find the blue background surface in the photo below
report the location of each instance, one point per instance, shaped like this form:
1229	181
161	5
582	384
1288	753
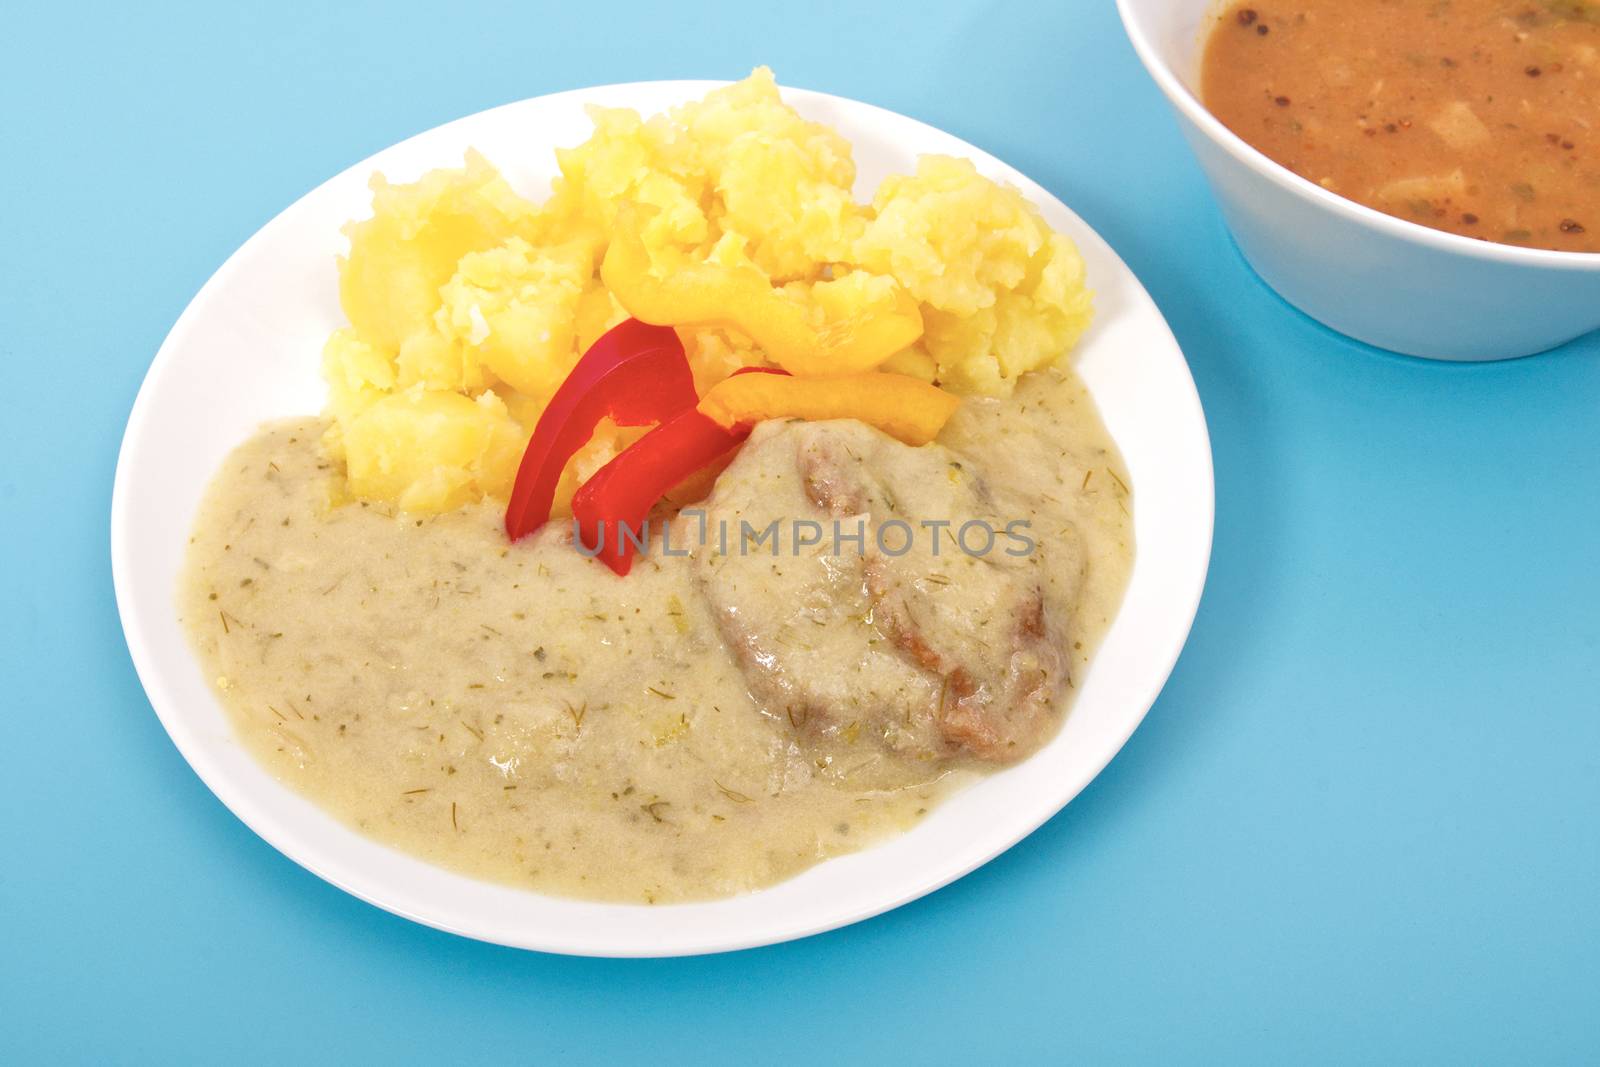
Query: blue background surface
1359	825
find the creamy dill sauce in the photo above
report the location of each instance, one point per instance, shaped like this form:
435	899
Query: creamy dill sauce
520	714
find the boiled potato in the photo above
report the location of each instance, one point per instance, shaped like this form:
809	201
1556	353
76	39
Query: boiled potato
429	450
1001	294
515	309
389	283
468	304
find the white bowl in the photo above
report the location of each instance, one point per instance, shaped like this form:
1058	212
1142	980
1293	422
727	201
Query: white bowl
246	349
1380	279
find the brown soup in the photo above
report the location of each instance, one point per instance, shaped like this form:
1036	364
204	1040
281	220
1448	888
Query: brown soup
1480	117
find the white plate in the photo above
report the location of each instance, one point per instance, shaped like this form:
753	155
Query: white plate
247	350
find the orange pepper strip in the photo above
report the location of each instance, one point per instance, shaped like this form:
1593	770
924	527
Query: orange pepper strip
711	294
901	406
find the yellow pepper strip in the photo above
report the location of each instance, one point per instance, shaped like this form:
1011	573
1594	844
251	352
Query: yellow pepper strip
902	407
742	298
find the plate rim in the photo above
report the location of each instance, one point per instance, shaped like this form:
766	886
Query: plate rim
264	826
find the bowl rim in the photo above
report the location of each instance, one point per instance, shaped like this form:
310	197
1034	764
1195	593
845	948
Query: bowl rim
264	816
1190	106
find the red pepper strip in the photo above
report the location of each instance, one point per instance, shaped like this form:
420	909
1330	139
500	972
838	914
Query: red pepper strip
611	507
635	373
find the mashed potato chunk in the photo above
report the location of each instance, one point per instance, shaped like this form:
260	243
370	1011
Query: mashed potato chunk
469	304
